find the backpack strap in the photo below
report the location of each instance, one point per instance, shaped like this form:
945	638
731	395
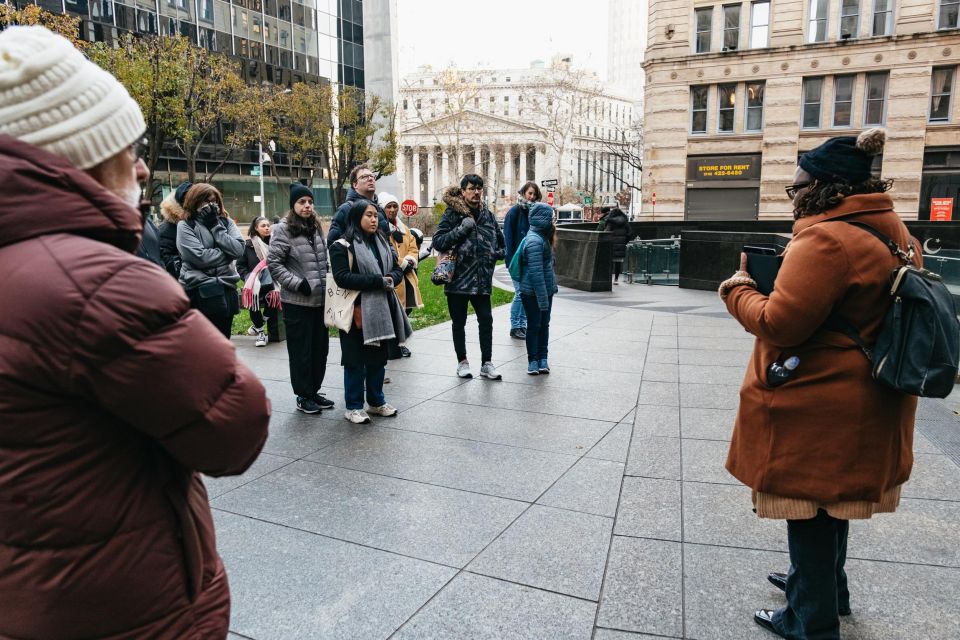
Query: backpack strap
904	256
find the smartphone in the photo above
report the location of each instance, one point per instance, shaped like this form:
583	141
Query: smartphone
764	251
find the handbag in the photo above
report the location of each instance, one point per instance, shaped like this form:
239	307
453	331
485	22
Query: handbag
338	305
445	269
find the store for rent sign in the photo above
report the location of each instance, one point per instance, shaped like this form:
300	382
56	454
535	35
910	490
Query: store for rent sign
941	209
713	168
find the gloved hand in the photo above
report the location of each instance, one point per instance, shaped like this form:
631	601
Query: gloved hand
208	214
467	225
387	283
397	236
407	264
304	287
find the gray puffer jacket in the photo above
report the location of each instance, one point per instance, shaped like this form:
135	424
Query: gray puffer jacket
208	255
293	259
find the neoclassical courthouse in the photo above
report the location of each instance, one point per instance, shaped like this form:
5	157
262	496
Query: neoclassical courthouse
512	125
736	91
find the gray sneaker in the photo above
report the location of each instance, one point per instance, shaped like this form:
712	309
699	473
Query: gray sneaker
463	370
489	371
357	416
384	410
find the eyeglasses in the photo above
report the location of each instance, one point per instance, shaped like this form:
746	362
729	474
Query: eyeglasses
366	176
794	188
139	149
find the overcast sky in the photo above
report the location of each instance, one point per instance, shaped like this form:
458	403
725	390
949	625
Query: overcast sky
501	33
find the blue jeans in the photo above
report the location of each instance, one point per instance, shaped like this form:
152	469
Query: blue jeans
518	315
538	326
354	380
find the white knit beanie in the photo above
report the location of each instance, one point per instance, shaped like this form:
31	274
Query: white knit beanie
54	98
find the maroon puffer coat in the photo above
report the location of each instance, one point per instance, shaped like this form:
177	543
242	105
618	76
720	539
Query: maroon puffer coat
113	395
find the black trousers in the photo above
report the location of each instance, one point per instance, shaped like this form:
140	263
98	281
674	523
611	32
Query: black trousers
220	308
817	583
307	346
457	306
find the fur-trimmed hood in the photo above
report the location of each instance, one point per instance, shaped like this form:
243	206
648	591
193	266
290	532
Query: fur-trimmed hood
453	197
171	210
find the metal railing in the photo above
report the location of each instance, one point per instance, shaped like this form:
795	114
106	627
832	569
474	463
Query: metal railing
653	261
948	267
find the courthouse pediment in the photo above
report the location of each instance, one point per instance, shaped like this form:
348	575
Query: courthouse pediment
470	121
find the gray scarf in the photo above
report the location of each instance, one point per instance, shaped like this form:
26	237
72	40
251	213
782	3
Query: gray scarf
383	318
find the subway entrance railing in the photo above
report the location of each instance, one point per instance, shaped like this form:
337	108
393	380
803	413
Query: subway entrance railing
653	261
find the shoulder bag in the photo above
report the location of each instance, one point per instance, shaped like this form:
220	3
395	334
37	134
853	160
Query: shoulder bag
338	305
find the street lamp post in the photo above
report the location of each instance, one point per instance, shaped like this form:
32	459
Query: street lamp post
260	160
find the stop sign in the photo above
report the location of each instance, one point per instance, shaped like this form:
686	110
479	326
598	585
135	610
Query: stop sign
550	198
653	200
409	208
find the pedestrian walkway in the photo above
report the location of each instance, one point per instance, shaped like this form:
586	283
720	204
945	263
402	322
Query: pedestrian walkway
589	503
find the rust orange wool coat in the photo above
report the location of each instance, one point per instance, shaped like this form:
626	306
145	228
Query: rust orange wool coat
831	433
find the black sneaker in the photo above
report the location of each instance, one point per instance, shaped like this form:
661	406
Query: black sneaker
519	334
405	352
322	401
307	405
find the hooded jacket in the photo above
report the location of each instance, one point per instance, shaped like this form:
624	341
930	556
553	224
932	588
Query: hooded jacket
831	433
618	225
113	395
477	249
172	214
339	223
539	278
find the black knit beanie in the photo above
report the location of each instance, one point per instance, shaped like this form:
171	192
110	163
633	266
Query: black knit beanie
844	158
297	191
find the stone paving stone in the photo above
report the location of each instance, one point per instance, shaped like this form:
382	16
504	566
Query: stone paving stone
492	469
614	445
710	358
933	476
284	401
605	344
661	372
654	458
482	608
920	532
703	461
594	361
723	515
417	385
296	435
553	549
923	445
610	634
649	508
664	342
558	434
662	355
585	381
442	346
269	368
710	396
289	584
664	393
713	344
642	589
710	374
590	486
657	420
718	331
427	363
610	405
432	523
707	424
264	464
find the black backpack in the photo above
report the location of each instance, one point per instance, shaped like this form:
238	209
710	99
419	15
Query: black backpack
918	347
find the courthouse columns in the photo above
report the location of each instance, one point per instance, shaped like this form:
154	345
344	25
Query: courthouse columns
431	174
444	168
523	166
416	174
477	157
459	151
539	169
508	169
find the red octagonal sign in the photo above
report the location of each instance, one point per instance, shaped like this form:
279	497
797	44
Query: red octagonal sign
409	208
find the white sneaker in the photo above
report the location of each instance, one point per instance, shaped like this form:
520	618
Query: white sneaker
252	331
384	410
463	370
261	339
489	371
357	416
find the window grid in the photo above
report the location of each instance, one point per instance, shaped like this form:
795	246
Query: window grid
949	14
849	18
876	97
755	106
726	107
759	25
698	108
843	101
704	19
812	102
731	27
882	17
817	21
941	90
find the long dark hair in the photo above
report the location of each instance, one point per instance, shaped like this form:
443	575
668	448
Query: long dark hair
297	226
354	214
252	229
823	196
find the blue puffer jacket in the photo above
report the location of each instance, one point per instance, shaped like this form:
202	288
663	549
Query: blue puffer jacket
539	278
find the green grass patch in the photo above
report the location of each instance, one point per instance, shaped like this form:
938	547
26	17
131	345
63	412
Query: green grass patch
434	309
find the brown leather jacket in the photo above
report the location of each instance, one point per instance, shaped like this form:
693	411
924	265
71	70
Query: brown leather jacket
113	395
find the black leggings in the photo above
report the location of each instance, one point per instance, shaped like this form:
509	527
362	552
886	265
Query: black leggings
457	306
617	269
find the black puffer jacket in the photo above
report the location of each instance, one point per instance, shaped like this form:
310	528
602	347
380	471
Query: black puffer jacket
478	249
618	225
